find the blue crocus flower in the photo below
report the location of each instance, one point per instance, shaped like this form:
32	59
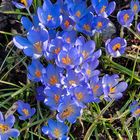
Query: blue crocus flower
72	79
25	110
135	109
96	87
28	24
55	130
82	95
69	58
51	75
35	43
138	27
53	96
112	88
84	25
49	14
35	71
99	23
125	17
103	8
135	6
22	4
68	110
116	47
6	129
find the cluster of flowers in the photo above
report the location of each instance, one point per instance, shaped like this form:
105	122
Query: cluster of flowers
71	79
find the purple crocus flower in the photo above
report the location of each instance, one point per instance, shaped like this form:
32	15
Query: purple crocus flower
135	6
6	129
25	110
135	109
125	17
55	130
22	4
116	47
112	88
68	110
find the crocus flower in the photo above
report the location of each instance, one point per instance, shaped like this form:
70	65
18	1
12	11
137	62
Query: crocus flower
55	130
103	8
82	95
53	97
69	58
84	25
22	4
51	75
99	23
138	27
35	71
34	44
49	14
125	17
135	6
116	47
6	129
112	88
135	109
40	96
68	110
25	110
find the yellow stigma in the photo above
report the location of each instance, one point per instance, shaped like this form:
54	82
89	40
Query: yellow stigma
57	133
86	27
135	7
79	96
99	24
116	46
85	54
95	88
88	72
72	82
126	17
24	2
67	23
53	80
3	128
78	13
56	98
103	9
137	112
38	73
68	39
38	47
67	112
66	60
25	111
49	18
57	50
112	90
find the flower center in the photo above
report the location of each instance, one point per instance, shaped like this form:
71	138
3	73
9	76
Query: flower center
56	98
135	7
38	73
68	39
66	60
86	27
99	24
126	17
67	112
112	90
85	54
116	46
38	47
24	2
53	80
88	71
67	23
78	13
103	9
57	50
49	17
57	133
72	82
137	112
25	111
3	128
95	88
79	96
